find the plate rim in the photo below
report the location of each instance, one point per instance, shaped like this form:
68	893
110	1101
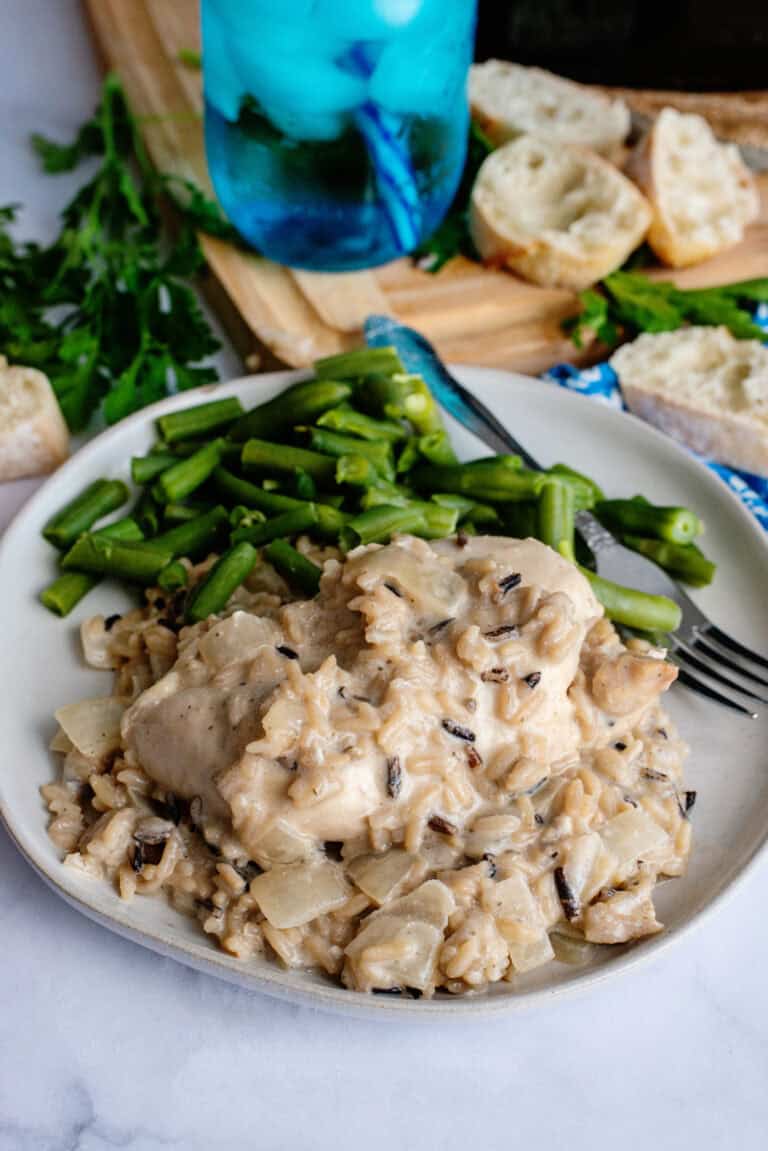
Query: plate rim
285	985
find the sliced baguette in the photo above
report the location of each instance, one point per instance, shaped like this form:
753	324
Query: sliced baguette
558	215
509	100
703	387
701	192
33	435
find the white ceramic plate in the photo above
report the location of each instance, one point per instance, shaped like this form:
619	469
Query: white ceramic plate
40	669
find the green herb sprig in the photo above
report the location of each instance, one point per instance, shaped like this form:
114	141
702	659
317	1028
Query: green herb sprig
106	311
629	303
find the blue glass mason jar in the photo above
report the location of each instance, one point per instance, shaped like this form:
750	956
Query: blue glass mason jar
336	130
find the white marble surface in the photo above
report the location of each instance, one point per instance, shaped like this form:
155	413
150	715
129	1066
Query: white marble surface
104	1045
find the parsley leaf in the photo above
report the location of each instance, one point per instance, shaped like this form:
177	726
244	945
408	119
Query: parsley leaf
105	310
629	303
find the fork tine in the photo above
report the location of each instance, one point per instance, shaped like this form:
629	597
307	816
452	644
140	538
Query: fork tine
690	659
690	681
721	637
721	658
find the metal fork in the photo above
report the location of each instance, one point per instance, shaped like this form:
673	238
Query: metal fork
699	647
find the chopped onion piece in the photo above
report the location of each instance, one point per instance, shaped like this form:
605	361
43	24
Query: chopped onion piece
526	956
237	639
292	894
93	725
95	640
630	836
379	876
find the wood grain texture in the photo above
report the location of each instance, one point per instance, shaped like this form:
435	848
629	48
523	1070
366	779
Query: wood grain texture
473	314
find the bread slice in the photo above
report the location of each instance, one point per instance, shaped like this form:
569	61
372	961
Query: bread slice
701	192
703	387
509	100
558	215
33	435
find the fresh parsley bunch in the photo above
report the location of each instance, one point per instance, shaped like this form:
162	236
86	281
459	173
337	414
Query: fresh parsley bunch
106	310
630	303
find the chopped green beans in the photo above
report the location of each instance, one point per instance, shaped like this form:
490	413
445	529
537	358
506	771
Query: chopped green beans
685	561
98	500
233	489
260	455
579	481
379	452
69	588
521	520
195	537
146	511
360	472
293	566
191	423
494	480
556	523
378	524
186	475
230	570
436	448
173	576
144	469
635	609
180	513
290	523
66	591
358	364
345	419
133	562
677	525
469	510
301	404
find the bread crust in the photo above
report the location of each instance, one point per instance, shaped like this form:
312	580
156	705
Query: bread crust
673	247
552	258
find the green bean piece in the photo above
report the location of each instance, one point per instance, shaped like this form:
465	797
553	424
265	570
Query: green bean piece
173	576
436	448
358	471
379	452
469	510
98	500
423	410
293	566
210	596
583	489
134	562
556	519
232	488
261	455
177	482
244	516
290	523
304	486
63	593
566	472
497	479
394	495
69	588
195	537
300	404
685	561
359	363
147	512
346	419
191	423
632	517
384	396
438	522
635	609
410	456
180	513
377	525
144	469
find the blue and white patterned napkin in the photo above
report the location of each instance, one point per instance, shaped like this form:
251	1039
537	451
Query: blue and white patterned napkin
601	383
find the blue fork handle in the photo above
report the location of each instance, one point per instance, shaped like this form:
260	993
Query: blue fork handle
420	357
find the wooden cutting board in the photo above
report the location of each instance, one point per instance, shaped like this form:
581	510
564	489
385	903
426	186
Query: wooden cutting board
274	314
